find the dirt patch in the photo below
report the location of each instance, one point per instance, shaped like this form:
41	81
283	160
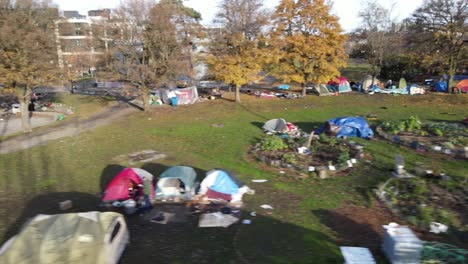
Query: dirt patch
143	156
362	226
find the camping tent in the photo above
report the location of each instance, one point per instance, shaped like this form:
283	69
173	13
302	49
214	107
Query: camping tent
177	181
367	82
130	183
319	89
90	237
463	86
341	85
347	127
219	184
279	125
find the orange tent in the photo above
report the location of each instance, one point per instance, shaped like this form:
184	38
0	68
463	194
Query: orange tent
463	86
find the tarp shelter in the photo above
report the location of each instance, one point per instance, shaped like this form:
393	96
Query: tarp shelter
221	185
130	183
279	125
282	87
441	86
346	127
319	89
463	86
184	96
367	82
177	181
90	237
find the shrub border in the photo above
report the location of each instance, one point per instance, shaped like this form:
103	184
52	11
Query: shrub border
461	152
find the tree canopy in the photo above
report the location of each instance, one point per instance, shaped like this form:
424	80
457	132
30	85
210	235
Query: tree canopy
28	56
306	42
445	21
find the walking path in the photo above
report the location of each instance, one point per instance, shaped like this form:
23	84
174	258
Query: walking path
67	129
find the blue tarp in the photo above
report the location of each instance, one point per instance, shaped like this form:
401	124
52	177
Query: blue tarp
348	127
282	87
224	184
441	87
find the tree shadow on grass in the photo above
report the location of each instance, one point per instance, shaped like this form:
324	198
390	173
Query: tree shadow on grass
352	233
265	240
49	204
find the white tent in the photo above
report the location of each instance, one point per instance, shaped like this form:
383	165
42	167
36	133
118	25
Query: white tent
90	237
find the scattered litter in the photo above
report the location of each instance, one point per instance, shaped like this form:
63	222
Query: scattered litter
253	214
65	205
350	163
303	150
162	218
311	168
247	221
216	220
331	167
266	206
353	161
438	228
282	172
260	180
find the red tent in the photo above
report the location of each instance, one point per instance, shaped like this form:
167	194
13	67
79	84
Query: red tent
121	186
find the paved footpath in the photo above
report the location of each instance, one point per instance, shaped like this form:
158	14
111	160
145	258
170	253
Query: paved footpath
69	128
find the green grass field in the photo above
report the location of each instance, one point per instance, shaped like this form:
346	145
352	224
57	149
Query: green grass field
32	181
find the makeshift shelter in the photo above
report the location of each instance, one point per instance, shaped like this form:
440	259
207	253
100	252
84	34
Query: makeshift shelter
221	185
130	183
184	96
402	83
90	237
279	125
441	86
367	82
177	181
319	89
346	127
462	86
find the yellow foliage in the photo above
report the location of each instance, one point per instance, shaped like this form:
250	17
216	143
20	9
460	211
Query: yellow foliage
307	44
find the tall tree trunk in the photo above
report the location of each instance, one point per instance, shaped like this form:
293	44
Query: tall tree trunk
238	100
25	115
451	72
145	99
304	90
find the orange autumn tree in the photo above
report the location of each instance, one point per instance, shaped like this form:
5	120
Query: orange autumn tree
306	43
235	56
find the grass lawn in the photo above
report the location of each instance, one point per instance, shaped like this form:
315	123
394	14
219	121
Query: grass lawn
296	231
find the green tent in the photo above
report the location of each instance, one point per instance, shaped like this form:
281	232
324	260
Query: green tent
177	181
91	237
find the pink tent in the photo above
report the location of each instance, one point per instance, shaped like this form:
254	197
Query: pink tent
120	186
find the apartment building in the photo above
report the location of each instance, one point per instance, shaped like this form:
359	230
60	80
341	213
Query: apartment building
81	39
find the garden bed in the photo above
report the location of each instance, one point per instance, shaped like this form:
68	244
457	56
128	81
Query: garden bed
427	199
440	137
326	156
